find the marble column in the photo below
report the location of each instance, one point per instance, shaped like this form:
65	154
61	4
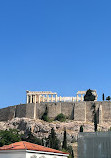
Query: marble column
77	99
82	98
56	98
38	98
47	98
27	99
60	98
43	98
30	98
52	98
72	99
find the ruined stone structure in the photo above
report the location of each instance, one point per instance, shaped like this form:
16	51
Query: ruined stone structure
77	111
48	96
41	96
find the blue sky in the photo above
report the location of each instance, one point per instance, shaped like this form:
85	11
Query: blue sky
58	45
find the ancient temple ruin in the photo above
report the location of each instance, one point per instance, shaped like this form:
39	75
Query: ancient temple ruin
48	96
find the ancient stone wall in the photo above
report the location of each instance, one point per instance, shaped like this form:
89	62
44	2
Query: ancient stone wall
106	111
68	109
20	110
30	110
78	111
89	111
54	109
40	109
7	113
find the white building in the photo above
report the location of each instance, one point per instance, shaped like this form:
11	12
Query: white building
28	150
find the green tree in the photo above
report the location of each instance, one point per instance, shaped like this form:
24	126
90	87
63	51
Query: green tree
64	145
72	154
52	140
9	136
61	117
95	117
108	98
103	96
89	96
31	138
81	128
45	115
95	122
70	151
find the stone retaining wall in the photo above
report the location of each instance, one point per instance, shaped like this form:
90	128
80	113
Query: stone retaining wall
78	111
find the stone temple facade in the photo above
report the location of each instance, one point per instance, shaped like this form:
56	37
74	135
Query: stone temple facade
48	96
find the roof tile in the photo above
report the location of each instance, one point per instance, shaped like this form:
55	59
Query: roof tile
29	146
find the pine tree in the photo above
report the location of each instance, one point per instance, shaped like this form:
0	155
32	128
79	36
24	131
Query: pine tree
103	96
81	128
95	117
72	154
95	122
53	142
64	146
45	115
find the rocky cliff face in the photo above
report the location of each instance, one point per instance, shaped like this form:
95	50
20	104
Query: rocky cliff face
42	129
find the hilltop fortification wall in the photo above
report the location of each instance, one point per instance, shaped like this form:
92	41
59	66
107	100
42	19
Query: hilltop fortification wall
7	113
78	111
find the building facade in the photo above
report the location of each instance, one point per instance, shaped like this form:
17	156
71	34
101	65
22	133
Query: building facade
29	150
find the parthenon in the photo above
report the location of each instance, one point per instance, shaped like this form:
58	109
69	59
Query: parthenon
48	96
41	96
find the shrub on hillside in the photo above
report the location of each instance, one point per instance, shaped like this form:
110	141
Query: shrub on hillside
45	115
81	128
61	117
31	138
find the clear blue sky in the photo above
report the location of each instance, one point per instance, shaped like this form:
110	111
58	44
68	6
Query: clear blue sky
57	45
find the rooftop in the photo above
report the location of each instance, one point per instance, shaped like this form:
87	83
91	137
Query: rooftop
29	146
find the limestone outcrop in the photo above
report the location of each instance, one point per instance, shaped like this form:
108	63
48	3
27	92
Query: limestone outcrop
41	129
